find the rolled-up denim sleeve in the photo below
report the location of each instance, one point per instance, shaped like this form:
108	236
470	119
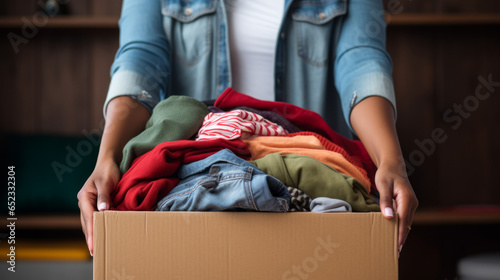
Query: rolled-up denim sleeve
363	67
141	66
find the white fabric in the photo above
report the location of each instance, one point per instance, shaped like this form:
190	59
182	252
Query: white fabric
253	27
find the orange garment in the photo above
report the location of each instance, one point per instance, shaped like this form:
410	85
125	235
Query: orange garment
311	146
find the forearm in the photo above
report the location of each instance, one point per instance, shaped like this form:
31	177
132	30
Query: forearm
125	118
374	122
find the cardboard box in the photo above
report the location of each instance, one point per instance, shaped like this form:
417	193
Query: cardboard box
242	245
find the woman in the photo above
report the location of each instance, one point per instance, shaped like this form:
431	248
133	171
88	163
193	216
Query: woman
325	56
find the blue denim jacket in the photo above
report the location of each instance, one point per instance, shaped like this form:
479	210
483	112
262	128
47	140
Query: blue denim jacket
330	54
224	181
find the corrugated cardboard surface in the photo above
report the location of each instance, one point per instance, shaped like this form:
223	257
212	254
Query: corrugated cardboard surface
236	245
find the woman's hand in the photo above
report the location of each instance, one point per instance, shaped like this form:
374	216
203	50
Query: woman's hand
374	123
125	118
95	195
396	193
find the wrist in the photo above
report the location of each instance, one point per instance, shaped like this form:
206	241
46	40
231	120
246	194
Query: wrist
108	155
396	165
391	160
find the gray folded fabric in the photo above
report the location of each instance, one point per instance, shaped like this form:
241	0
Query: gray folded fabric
329	205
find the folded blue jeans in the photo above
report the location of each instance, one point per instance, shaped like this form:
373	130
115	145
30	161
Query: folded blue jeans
223	182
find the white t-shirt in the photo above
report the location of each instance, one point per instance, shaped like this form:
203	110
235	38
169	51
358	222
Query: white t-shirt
253	27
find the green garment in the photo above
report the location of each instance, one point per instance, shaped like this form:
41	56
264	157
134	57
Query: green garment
317	179
175	118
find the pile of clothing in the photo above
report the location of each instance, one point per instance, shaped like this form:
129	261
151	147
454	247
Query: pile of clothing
242	154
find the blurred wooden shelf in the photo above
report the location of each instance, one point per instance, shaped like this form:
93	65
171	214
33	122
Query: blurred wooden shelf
49	250
449	216
50	221
71	22
443	19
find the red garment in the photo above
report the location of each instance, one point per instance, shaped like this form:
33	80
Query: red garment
304	119
152	175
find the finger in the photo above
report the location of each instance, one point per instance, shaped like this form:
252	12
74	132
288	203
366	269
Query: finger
403	232
385	190
405	216
87	202
82	221
87	238
90	232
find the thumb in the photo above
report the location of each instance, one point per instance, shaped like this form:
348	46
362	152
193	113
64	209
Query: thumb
103	196
386	205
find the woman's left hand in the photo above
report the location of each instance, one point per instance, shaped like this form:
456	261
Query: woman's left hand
373	119
397	194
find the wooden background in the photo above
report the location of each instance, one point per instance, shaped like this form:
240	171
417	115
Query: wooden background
57	83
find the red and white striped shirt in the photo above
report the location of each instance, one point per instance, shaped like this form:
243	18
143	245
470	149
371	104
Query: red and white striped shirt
237	124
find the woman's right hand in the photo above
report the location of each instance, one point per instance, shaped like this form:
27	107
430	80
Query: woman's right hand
95	195
125	118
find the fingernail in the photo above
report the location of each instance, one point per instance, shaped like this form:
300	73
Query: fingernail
91	254
102	206
400	248
388	212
